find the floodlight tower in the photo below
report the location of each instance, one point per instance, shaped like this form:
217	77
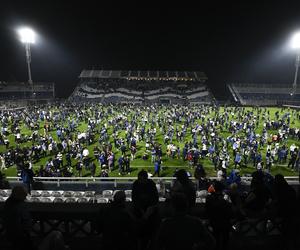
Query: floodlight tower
296	46
27	36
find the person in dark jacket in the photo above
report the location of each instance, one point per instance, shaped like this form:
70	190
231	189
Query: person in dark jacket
17	219
4	184
117	225
144	192
219	213
258	196
184	185
200	175
182	231
18	224
284	203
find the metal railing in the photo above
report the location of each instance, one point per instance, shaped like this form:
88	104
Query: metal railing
115	180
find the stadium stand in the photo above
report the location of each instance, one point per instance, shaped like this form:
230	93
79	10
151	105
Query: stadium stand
263	94
16	91
143	86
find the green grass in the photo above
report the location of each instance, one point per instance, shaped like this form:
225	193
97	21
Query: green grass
168	165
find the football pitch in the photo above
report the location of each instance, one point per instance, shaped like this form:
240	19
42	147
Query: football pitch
169	164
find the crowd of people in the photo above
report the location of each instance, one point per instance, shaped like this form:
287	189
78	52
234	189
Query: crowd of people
64	139
147	223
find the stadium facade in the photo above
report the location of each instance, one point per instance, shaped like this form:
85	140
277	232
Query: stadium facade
115	86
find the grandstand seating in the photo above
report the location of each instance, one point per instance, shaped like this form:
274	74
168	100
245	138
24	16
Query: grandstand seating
264	94
50	196
153	73
163	74
142	86
23	91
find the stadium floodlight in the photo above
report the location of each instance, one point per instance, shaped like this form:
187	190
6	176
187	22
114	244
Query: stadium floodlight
296	45
27	36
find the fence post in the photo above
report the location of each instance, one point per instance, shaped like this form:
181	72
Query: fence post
115	183
58	183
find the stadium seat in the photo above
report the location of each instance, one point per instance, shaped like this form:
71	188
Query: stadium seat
107	193
58	200
199	200
4	192
128	193
83	200
162	199
70	200
68	193
57	193
102	200
46	193
89	193
3	199
78	194
45	200
201	194
35	193
128	199
33	199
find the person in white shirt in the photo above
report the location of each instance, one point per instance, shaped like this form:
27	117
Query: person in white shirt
2	160
85	152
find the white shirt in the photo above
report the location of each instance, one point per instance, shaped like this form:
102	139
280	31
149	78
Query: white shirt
85	152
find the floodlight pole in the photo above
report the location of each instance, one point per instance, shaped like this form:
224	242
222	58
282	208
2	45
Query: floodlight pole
28	59
297	64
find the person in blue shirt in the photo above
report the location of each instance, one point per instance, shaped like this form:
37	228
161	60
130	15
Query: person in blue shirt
237	159
59	133
121	165
153	154
27	177
157	166
234	177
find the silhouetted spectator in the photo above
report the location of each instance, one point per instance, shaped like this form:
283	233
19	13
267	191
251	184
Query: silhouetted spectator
200	175
219	213
284	197
17	220
92	167
117	226
184	185
144	192
18	224
258	196
285	204
4	184
182	231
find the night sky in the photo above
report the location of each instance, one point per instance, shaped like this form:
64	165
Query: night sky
236	41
